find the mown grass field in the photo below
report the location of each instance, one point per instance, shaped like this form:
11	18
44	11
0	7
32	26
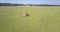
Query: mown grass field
41	19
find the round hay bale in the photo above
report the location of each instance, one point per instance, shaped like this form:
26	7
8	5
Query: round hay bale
25	14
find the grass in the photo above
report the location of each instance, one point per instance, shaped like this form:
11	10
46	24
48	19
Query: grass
41	19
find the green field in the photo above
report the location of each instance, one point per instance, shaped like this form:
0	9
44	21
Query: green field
41	19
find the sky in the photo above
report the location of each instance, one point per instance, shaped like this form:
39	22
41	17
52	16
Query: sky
32	1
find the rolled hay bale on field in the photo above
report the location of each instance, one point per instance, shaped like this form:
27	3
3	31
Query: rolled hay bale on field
25	14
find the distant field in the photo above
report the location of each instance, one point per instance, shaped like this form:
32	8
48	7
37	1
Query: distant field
41	19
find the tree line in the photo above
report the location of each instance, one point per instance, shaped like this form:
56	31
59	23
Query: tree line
10	4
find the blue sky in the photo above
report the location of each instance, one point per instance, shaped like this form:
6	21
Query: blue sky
32	1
